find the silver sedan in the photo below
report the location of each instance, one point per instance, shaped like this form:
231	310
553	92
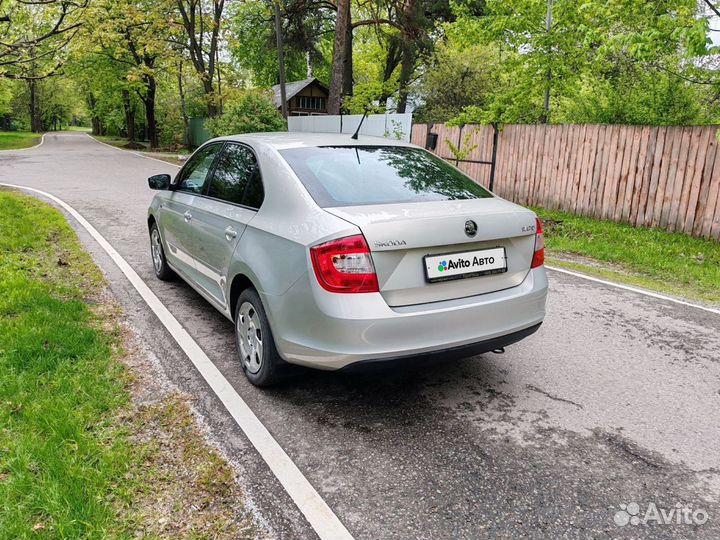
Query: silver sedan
328	252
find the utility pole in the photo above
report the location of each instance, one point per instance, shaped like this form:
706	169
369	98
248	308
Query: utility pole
548	27
281	58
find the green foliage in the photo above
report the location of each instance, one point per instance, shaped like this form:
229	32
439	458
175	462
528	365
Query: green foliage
465	148
247	112
622	61
7	91
634	97
459	78
468	61
252	42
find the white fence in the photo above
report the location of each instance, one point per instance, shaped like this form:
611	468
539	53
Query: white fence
392	126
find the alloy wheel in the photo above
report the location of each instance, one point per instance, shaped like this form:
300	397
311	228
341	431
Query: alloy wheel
250	337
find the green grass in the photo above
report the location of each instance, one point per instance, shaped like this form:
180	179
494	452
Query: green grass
669	262
78	128
13	140
112	139
60	383
80	458
121	142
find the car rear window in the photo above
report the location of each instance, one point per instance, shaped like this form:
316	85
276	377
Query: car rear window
361	175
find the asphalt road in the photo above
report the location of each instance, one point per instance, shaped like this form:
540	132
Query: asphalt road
615	400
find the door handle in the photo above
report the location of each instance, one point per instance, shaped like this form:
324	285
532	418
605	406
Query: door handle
230	233
188	216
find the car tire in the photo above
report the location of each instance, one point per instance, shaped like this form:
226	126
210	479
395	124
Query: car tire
160	265
254	340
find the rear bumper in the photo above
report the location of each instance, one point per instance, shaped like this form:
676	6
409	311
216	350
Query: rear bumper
454	353
331	331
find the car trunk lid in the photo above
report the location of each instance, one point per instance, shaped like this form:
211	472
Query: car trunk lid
400	236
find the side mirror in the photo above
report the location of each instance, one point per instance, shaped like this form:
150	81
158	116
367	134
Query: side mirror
159	181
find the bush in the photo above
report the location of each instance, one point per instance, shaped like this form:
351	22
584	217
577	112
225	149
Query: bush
247	112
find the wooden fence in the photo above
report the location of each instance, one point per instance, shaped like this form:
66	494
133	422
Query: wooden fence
667	177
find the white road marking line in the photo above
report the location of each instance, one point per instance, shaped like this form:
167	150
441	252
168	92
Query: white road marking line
322	519
138	154
634	289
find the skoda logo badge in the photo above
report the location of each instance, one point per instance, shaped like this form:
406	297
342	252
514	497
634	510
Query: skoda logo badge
470	227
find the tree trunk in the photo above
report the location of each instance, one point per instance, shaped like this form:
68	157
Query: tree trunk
409	49
209	89
407	66
338	68
203	56
394	54
92	102
183	107
149	101
348	71
129	116
35	119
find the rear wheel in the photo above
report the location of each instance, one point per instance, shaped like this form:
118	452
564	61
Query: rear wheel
162	270
256	347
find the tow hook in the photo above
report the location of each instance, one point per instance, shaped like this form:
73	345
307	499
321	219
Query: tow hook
499	350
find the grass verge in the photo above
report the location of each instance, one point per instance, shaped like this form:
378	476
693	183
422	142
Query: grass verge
673	263
14	140
82	453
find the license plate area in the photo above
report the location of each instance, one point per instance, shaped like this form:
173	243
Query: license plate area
465	264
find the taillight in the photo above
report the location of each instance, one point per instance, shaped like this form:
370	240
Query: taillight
539	254
345	265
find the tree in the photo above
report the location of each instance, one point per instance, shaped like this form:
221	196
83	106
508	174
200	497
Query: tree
307	33
35	38
457	79
340	58
202	22
134	34
588	50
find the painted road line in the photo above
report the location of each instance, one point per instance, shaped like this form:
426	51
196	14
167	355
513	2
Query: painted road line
138	154
634	289
320	516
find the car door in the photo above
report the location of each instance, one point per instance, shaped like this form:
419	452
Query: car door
234	195
176	212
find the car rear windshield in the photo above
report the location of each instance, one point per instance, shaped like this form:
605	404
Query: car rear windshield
360	175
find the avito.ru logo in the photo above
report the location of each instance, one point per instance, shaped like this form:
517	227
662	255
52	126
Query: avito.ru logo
678	515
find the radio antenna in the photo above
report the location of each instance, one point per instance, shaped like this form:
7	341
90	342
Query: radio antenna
357	131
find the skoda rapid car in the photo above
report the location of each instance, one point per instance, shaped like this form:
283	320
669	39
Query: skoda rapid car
327	251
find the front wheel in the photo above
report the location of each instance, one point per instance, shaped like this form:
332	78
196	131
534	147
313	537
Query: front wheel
256	347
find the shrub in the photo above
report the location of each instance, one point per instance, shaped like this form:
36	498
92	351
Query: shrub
247	112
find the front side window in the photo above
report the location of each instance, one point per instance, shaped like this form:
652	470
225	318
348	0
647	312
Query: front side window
359	175
236	178
194	174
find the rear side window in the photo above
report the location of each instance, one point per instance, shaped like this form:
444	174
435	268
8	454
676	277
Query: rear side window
236	178
194	174
360	175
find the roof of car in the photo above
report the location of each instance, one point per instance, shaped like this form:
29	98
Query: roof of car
283	140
